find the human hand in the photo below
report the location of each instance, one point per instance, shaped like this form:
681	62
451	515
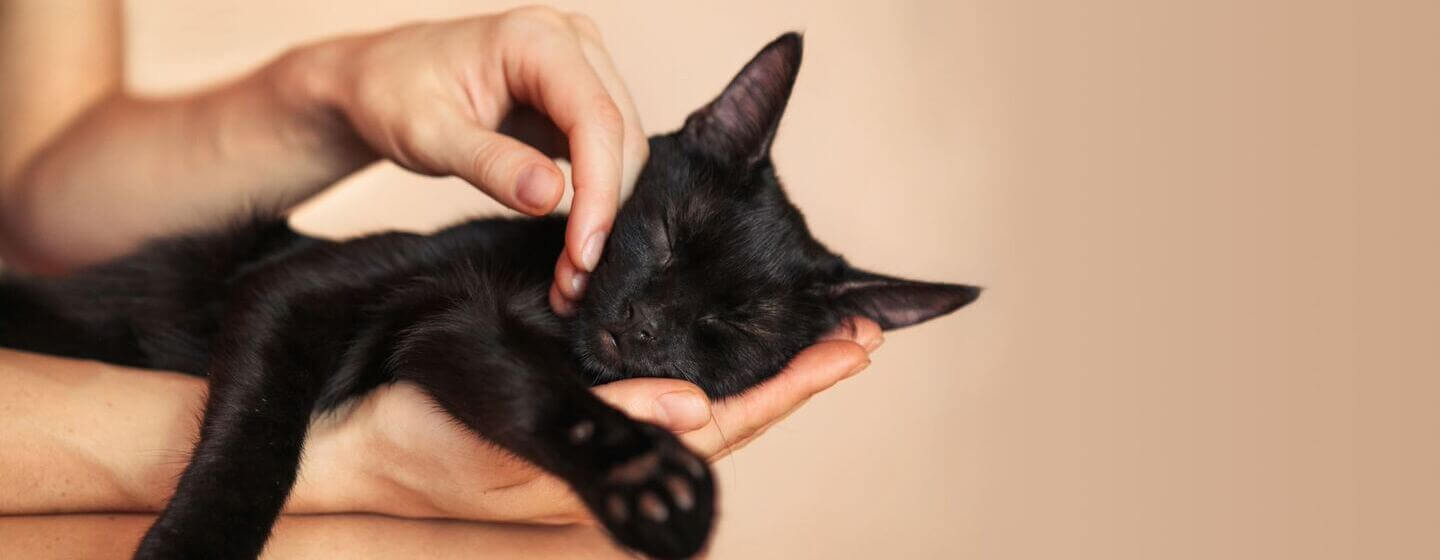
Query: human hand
491	99
414	461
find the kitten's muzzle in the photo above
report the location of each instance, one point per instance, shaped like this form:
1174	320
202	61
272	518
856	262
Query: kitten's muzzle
642	327
610	347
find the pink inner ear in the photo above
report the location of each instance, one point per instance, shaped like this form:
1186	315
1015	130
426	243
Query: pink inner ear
740	123
896	303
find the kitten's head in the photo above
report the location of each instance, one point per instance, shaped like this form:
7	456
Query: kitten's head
710	274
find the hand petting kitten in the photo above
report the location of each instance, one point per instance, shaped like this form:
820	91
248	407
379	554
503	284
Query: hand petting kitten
461	98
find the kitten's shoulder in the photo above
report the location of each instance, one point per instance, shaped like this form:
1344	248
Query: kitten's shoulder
543	234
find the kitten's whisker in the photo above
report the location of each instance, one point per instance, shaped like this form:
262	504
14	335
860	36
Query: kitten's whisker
725	446
724	441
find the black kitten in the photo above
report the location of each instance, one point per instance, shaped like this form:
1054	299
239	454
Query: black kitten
710	275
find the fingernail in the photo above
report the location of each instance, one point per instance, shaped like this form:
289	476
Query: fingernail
577	284
875	344
682	410
857	369
536	188
590	255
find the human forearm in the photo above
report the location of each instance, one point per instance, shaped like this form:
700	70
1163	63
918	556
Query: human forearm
90	437
84	436
80	437
321	536
132	168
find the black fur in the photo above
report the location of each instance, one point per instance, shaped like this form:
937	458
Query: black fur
710	275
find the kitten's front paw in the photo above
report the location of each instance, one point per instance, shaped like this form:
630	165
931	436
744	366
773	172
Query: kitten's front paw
660	502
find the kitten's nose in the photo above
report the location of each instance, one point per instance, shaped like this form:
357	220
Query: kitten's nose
644	323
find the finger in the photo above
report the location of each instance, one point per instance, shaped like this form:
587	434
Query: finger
859	330
636	147
507	169
562	306
813	370
733	445
570	280
671	403
558	80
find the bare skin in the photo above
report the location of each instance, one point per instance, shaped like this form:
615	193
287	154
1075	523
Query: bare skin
89	171
86	437
91	437
354	536
430	97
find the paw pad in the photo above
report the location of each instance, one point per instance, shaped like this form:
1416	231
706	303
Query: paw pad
582	431
680	492
616	508
654	495
652	508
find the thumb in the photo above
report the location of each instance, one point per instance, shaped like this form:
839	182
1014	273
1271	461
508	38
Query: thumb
510	171
671	403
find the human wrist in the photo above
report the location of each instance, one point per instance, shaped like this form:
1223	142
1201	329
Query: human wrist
336	472
307	82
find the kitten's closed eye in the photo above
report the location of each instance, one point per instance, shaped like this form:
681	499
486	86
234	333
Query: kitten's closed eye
718	322
664	242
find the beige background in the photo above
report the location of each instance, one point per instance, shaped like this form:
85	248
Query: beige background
1206	228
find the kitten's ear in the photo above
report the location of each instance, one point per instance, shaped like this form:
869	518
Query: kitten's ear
738	126
896	302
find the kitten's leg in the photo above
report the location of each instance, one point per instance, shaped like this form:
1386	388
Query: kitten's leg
243	467
522	391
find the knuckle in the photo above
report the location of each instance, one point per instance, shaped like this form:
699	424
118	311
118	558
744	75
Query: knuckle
406	142
414	132
484	164
607	115
585	25
533	25
534	17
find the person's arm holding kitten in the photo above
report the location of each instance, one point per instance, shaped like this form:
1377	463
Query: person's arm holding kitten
90	172
109	438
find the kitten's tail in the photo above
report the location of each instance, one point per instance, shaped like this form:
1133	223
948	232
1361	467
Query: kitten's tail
169	295
38	318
